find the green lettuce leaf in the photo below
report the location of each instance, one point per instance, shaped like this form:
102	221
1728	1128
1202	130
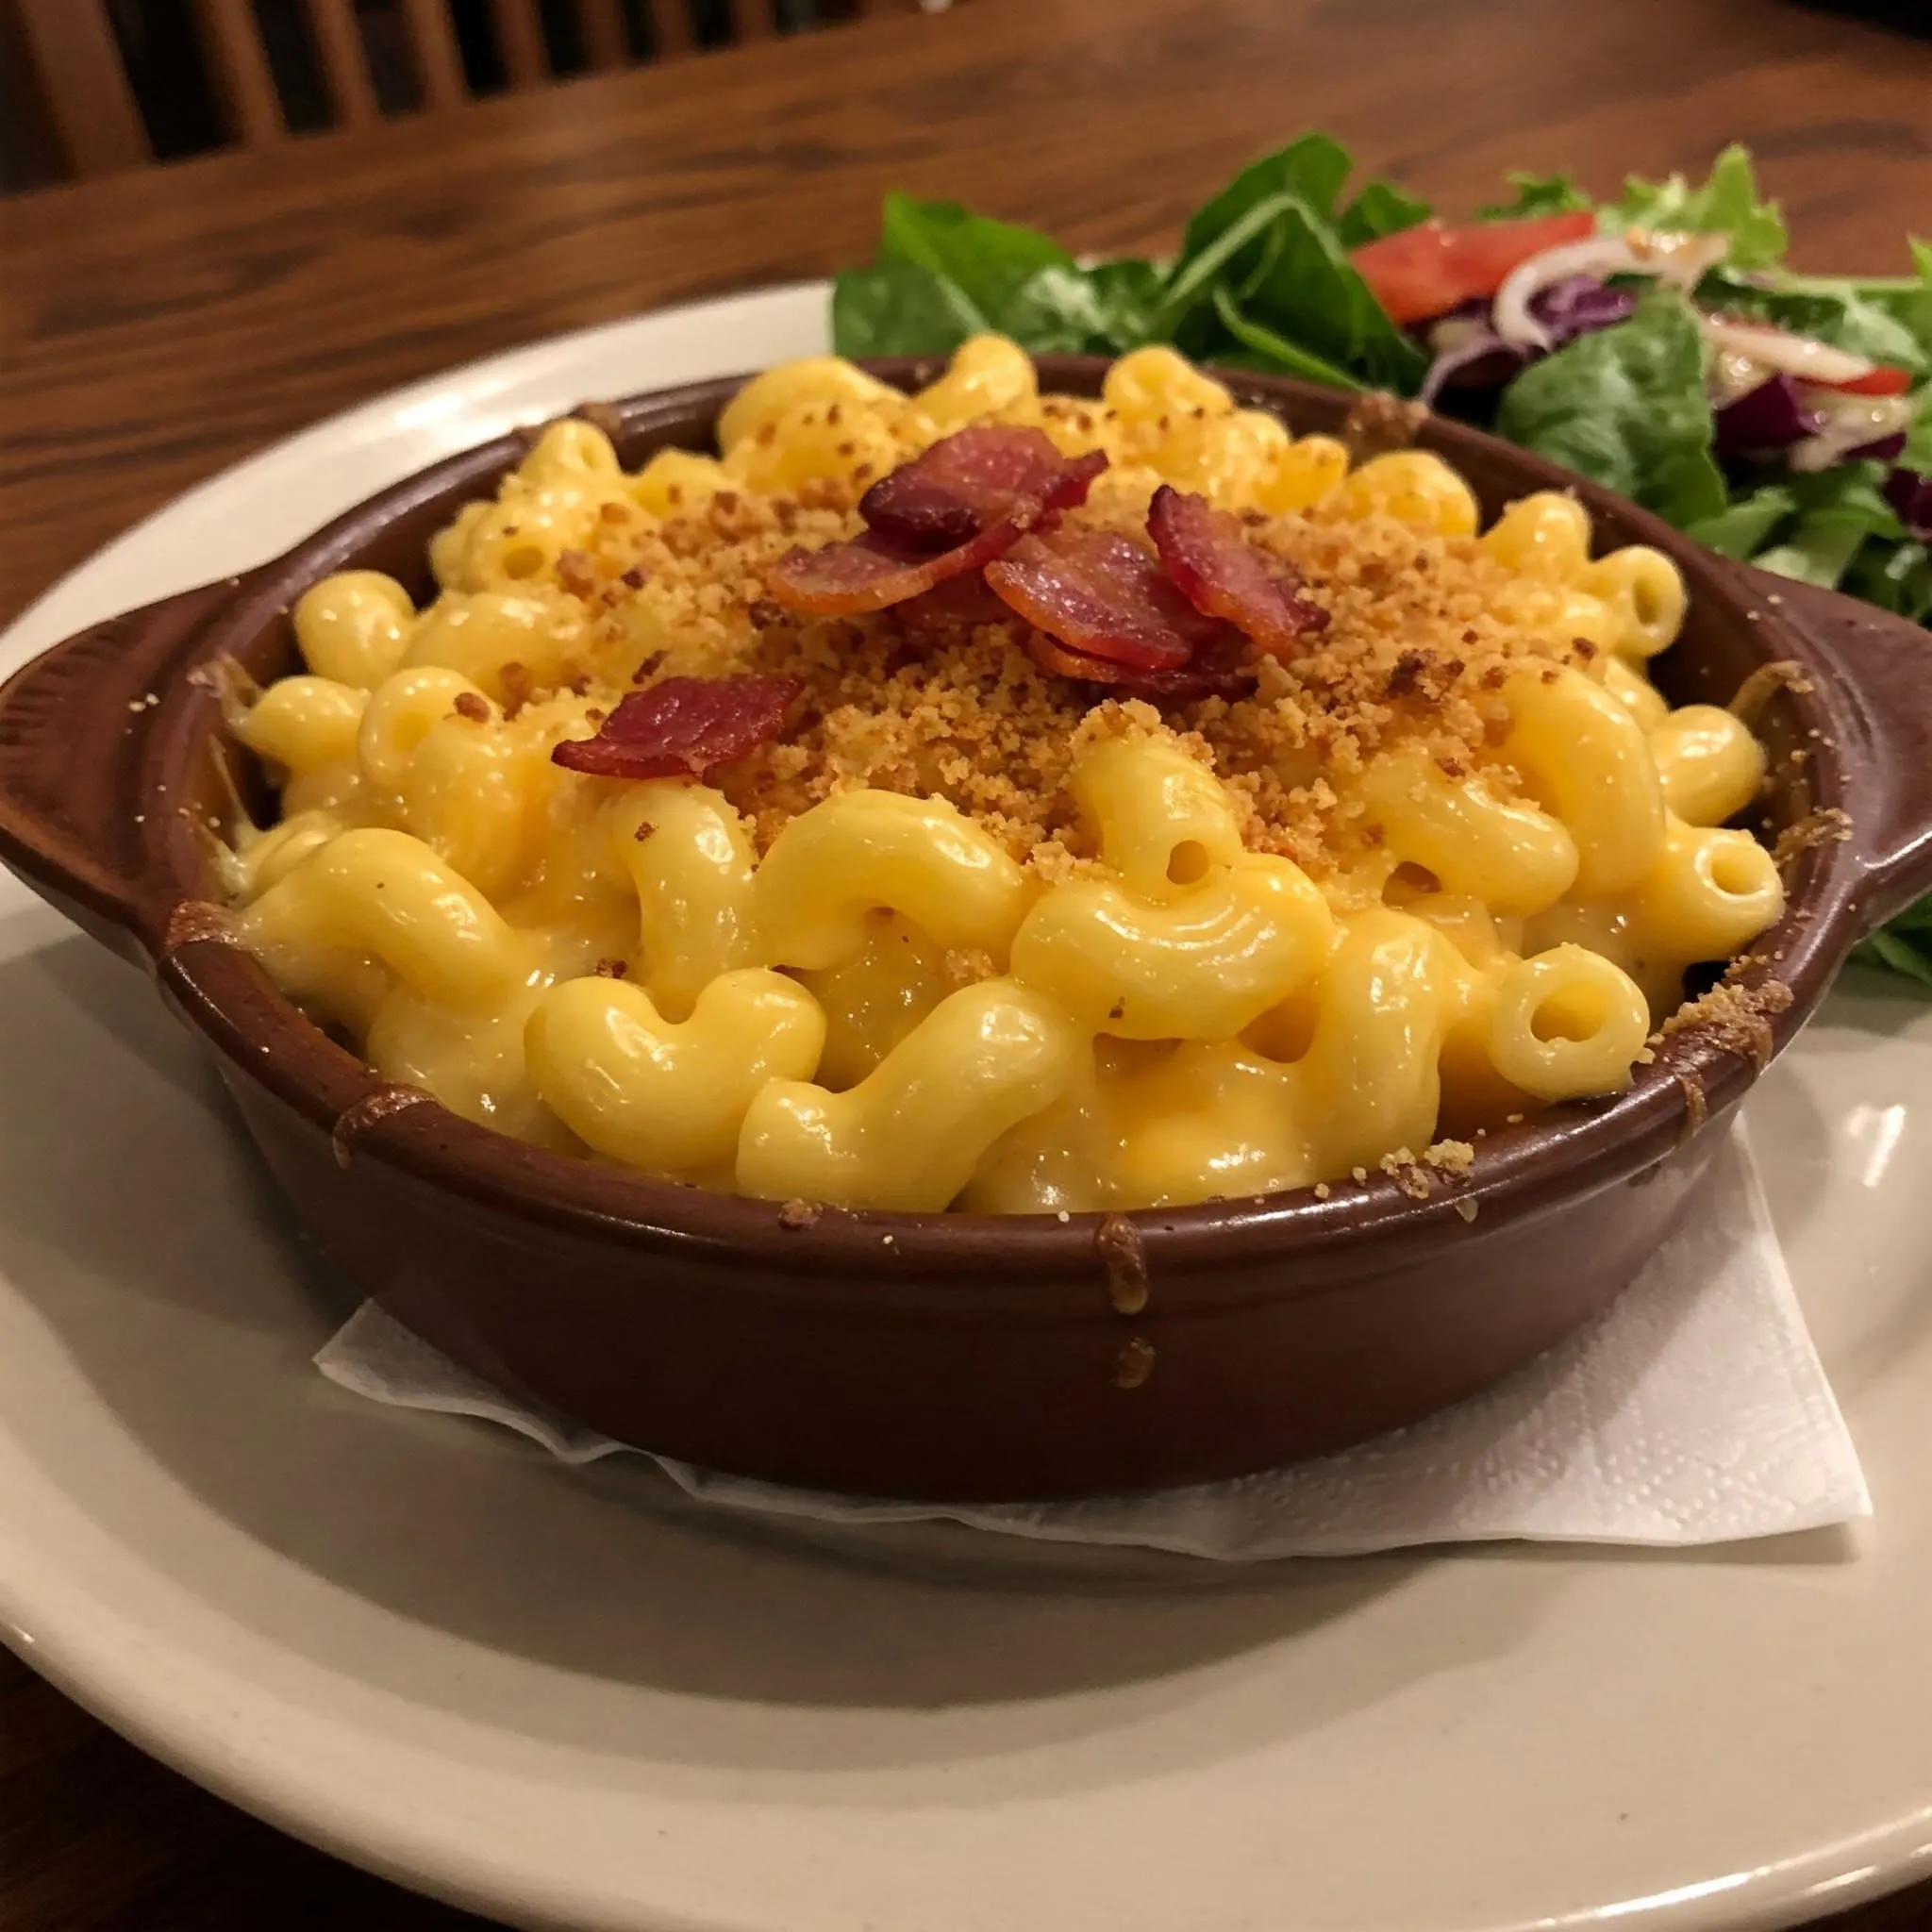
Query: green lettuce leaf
1628	407
1837	510
1381	208
1895	577
1892	951
1909	301
1745	527
1537	195
1727	202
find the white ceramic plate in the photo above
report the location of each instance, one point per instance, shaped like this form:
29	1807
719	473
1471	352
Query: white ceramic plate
567	1698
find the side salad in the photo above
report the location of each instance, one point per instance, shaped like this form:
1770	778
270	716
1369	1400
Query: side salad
1653	343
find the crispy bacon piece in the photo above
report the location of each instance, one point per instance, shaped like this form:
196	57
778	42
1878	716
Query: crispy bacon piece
685	727
967	500
872	572
1217	671
959	604
1209	556
1102	596
969	480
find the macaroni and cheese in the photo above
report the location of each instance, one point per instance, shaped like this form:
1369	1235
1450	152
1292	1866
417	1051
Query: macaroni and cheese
966	932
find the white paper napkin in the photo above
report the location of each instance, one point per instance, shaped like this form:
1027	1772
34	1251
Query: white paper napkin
1694	1411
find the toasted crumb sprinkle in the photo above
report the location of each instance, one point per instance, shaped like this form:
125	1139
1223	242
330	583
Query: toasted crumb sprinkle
799	1214
1736	1018
1467	1209
1117	1242
1406	1172
1452	1156
1825	827
1322	1191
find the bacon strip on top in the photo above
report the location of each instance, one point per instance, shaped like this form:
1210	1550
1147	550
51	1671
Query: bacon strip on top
966	481
1101	595
1208	555
685	727
966	501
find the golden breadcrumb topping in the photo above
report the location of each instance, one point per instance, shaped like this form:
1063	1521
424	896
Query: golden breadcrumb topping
1423	632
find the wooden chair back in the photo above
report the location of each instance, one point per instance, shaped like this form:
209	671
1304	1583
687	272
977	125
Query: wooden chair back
88	102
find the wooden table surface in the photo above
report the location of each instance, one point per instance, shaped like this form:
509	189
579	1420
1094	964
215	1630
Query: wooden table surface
157	326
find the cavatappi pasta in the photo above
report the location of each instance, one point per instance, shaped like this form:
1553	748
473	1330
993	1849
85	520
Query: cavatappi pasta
969	937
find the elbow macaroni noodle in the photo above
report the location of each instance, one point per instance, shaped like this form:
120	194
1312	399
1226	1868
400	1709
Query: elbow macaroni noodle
878	1003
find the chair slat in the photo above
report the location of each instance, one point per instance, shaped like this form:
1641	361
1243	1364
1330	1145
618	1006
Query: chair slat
433	45
244	83
671	28
752	20
344	62
605	39
77	65
520	40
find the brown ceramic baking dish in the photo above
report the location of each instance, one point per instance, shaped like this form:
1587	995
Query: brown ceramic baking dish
957	1356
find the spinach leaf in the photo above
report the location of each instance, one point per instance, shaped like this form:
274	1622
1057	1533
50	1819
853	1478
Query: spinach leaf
944	274
1127	298
1627	407
1312	170
899	308
1536	194
1381	208
1270	353
1727	202
1307	293
986	260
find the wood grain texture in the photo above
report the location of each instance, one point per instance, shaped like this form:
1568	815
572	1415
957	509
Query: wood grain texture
174	320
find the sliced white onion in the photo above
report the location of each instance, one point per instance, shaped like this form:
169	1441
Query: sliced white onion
1772	348
1457	332
1676	255
1733	376
1850	423
1596	255
1681	259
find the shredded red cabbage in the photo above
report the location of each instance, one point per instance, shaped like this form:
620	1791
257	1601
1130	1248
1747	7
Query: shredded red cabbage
1476	358
1909	493
1765	420
1881	451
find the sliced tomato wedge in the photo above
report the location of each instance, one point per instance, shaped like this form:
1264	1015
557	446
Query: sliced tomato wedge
1881	379
1428	270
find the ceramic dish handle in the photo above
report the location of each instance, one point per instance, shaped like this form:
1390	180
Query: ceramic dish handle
77	725
1882	701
